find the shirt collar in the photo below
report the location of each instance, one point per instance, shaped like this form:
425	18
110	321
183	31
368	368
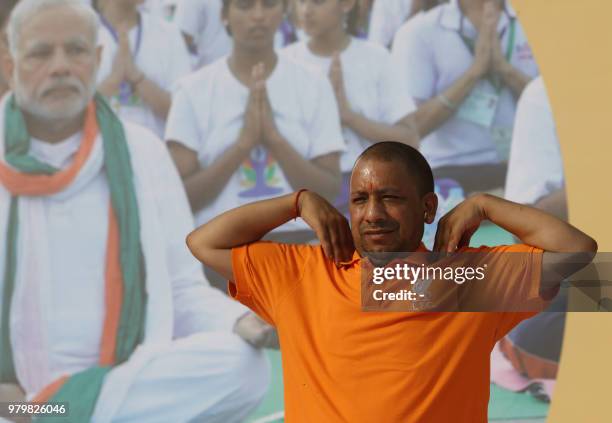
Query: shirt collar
357	257
450	17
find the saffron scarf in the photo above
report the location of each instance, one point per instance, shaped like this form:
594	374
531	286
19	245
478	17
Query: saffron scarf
125	296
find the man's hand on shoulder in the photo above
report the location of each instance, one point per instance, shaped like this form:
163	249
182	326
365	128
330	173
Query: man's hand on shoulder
455	228
330	226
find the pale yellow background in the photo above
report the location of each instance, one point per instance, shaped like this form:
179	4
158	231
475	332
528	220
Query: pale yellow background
572	42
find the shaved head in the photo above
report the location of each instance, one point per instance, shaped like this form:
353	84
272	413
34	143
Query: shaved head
410	157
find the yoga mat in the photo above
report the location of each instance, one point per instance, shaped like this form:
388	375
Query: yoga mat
507	405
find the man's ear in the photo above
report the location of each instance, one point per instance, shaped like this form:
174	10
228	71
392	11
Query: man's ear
7	65
430	204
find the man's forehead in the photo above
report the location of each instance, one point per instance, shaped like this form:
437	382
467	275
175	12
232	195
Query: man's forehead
367	169
377	171
56	24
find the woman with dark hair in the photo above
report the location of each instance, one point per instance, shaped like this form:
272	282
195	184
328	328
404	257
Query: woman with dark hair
142	58
372	104
6	6
254	125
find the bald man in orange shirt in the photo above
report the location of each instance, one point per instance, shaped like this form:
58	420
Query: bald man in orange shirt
341	364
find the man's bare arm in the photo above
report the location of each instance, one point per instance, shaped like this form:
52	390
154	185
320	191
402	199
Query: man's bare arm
554	203
212	243
536	227
566	248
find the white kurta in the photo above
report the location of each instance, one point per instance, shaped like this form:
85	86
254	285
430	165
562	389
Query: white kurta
60	288
535	168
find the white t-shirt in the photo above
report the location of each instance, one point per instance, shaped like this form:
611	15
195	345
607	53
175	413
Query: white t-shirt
162	56
371	83
201	19
207	115
431	55
535	168
386	18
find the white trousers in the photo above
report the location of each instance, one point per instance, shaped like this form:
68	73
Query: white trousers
207	377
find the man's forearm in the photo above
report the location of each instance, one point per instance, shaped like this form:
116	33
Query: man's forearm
433	112
244	224
205	185
514	79
212	243
535	227
155	97
404	131
304	173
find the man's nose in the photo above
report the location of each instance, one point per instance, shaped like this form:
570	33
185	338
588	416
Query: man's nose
60	63
375	210
258	10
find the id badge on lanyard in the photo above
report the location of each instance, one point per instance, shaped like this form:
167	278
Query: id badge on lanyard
480	106
125	96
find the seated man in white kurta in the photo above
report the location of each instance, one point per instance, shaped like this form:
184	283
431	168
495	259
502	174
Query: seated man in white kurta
101	304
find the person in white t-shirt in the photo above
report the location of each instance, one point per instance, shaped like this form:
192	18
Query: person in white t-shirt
535	169
142	58
206	36
254	125
372	104
466	63
389	15
200	23
386	18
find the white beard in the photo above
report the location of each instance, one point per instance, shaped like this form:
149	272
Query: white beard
28	102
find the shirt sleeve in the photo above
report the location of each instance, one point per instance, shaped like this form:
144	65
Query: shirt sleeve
413	58
324	128
182	124
512	285
512	277
396	103
535	168
265	272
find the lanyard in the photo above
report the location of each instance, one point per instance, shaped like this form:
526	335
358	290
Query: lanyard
125	89
470	44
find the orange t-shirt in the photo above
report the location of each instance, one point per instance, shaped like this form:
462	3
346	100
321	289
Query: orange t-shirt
344	365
